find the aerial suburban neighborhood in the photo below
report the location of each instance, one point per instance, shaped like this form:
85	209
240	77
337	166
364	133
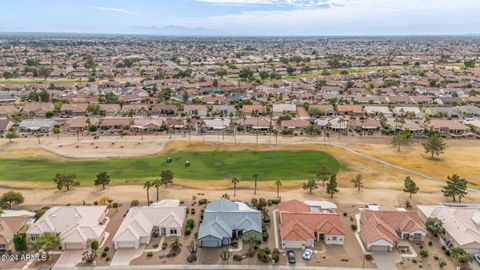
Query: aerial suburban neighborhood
235	142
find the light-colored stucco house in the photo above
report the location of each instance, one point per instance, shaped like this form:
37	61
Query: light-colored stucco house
302	225
224	221
77	226
12	222
164	218
461	224
383	228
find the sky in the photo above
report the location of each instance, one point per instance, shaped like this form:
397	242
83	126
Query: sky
244	17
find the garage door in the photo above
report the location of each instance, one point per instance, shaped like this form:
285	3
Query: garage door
292	244
73	246
380	248
125	244
210	243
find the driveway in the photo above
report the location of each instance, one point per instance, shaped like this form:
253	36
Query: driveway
122	257
387	260
69	258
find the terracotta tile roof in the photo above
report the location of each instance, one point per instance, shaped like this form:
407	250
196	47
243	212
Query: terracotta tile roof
295	206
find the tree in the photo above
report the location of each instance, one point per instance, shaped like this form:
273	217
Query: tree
166	177
461	255
147	185
235	181
192	247
20	241
11	135
278	183
156	184
255	177
65	180
176	246
332	185
46	242
358	181
246	74
225	254
103	178
45	72
401	139
410	186
56	130
434	145
12	198
323	174
456	188
310	185
251	238
434	225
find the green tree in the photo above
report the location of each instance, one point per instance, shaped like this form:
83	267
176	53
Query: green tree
20	241
166	177
434	145
310	185
12	198
147	185
358	181
456	188
65	180
278	184
401	139
255	177
323	174
156	184
11	135
434	225
46	242
103	178
246	74
56	130
176	246
251	238
410	186
461	255
235	181
332	185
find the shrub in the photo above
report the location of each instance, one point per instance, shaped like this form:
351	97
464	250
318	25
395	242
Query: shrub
107	259
191	258
447	252
444	248
266	218
106	249
354	227
264	254
182	202
95	203
104	254
39	212
430	243
423	253
192	211
276	255
134	203
202	201
164	245
115	205
442	263
94	245
187	210
149	254
188	231
237	258
344	214
275	201
265	236
435	258
414	260
369	257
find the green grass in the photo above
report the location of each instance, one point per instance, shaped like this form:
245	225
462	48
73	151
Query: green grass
214	165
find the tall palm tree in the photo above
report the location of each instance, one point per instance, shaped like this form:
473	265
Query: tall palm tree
255	177
256	114
189	124
275	131
278	183
341	121
157	183
235	181
148	185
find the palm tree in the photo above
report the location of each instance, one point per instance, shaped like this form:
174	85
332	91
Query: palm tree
189	123
148	185
225	255
275	131
278	183
256	114
235	181
157	183
251	238
255	177
176	245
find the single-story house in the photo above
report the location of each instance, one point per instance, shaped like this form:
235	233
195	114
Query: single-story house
382	228
164	218
279	109
37	125
352	110
77	226
200	110
445	127
5	125
301	227
253	124
216	124
37	109
76	109
224	221
12	222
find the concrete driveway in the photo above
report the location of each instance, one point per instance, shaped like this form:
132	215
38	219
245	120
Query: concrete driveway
69	258
387	260
122	257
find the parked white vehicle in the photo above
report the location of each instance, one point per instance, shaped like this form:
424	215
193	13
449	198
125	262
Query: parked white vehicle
308	254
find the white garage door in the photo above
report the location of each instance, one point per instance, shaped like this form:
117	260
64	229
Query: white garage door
73	246
125	244
292	244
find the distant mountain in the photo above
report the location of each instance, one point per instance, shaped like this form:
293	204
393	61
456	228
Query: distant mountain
174	30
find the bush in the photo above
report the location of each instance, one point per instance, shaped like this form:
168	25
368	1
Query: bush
354	227
189	225
275	201
442	263
192	211
430	243
276	255
266	218
444	248
134	203
435	258
115	205
264	254
104	254
94	245
237	258
423	253
265	236
164	245
188	231
39	212
191	258
202	201
344	214
182	202
95	203
106	249
447	252
107	259
414	260
369	257
149	254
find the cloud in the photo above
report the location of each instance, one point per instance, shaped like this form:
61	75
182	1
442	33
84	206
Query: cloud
297	3
118	10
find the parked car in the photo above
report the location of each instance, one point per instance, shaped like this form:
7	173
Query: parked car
308	254
477	258
449	244
291	257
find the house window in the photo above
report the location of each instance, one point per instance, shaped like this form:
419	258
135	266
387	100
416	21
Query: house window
334	238
33	237
173	231
3	247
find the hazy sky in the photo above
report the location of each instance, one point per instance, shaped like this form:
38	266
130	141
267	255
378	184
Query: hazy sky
245	17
